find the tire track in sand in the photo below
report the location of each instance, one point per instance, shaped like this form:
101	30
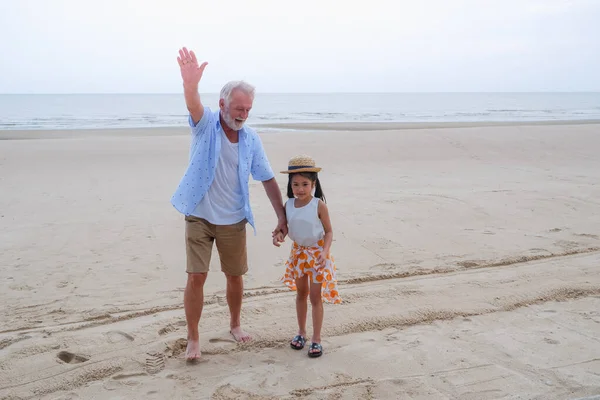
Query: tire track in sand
266	291
444	297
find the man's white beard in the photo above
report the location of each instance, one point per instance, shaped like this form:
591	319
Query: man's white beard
231	122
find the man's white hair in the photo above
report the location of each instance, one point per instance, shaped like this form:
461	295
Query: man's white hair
236	85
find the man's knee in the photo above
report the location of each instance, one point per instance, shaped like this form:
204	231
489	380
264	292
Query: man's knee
234	279
196	281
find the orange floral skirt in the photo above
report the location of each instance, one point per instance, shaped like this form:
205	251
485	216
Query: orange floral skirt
303	261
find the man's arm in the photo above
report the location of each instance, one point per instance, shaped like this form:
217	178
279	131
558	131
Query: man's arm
274	195
261	171
193	103
191	73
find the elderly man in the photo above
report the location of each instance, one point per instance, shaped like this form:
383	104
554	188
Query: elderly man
213	194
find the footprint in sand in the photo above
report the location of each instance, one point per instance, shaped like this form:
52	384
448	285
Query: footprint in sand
124	380
171	327
221	340
123	376
71	358
120	383
155	362
176	347
119	336
167	329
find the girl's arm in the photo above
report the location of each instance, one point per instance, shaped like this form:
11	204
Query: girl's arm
324	217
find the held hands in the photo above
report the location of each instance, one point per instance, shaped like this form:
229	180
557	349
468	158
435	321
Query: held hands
278	238
281	226
280	232
191	72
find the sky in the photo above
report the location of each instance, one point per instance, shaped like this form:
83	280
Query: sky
131	46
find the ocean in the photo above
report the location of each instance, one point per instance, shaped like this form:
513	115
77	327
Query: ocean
92	111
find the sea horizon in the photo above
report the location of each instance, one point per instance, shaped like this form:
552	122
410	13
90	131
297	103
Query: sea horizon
26	111
311	92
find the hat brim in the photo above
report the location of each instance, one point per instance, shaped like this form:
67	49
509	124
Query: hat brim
307	169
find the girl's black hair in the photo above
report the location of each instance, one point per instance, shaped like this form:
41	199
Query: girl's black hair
314	177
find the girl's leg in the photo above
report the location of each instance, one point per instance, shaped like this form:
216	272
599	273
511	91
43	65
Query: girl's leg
301	304
317	311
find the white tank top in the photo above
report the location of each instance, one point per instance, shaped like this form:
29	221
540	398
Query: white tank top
304	225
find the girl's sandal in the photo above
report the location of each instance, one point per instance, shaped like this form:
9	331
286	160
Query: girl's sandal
300	341
313	347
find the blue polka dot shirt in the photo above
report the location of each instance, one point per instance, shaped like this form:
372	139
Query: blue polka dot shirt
204	153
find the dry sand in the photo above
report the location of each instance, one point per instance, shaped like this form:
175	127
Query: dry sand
468	264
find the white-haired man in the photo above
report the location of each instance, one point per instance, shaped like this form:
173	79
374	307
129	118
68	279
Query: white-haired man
213	194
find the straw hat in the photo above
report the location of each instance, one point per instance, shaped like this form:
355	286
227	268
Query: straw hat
301	163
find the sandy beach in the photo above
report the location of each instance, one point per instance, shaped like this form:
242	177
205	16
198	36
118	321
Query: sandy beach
468	261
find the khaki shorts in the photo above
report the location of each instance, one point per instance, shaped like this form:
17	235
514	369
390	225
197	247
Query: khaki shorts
231	244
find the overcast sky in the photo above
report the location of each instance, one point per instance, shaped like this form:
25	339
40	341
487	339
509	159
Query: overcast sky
130	46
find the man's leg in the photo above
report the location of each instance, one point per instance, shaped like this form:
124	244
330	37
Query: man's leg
193	301
235	292
231	244
199	237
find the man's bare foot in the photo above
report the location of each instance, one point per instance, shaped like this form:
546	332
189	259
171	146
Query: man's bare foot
192	351
239	335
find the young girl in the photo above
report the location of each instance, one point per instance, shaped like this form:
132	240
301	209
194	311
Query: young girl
310	269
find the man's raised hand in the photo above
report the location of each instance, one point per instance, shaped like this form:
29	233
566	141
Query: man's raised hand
191	72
